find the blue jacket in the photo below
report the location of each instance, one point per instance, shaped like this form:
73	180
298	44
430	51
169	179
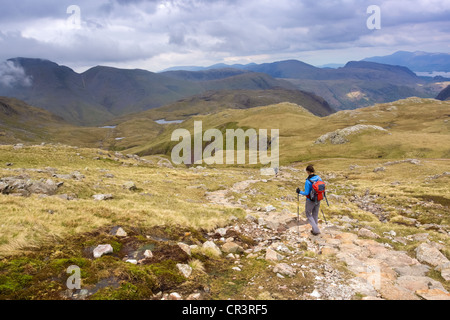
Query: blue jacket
308	185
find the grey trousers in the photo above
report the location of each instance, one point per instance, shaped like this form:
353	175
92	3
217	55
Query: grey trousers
312	214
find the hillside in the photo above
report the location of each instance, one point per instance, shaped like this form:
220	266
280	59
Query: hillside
215	101
21	123
444	94
410	124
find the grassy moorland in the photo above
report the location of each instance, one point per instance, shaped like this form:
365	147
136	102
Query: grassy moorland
368	177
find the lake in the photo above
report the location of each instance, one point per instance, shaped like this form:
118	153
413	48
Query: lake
164	121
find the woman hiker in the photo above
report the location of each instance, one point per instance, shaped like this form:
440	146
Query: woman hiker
311	207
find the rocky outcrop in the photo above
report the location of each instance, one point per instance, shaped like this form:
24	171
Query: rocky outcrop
340	136
25	186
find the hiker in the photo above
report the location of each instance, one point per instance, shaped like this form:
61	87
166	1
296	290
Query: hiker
311	207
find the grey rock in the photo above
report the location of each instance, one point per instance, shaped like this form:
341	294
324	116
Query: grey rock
102	250
431	255
148	254
221	231
284	269
186	248
211	246
231	247
118	232
175	296
419	270
130	185
273	255
367	233
102	197
185	270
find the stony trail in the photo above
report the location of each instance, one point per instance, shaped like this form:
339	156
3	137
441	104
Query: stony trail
373	270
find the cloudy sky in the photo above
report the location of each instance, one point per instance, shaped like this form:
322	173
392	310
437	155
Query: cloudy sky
157	34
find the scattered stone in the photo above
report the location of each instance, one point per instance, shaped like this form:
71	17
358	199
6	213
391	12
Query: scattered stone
315	294
130	185
284	269
175	296
270	208
118	232
185	270
231	247
132	261
273	255
102	197
102	250
194	296
165	163
236	269
379	169
186	248
221	231
367	234
212	247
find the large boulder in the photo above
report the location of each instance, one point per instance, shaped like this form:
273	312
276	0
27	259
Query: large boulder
426	253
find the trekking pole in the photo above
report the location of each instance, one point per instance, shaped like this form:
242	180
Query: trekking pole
324	217
325	194
298	212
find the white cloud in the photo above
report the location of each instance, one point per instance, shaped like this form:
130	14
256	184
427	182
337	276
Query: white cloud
12	75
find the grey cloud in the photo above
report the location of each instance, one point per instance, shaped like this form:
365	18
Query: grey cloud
131	30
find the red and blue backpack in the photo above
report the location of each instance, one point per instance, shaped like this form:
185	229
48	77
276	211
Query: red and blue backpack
317	193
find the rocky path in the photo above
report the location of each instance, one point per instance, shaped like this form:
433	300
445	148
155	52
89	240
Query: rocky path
374	270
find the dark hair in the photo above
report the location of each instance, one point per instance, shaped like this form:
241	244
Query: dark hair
310	168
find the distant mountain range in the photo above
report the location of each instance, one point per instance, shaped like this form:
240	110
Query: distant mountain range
356	84
418	61
101	94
